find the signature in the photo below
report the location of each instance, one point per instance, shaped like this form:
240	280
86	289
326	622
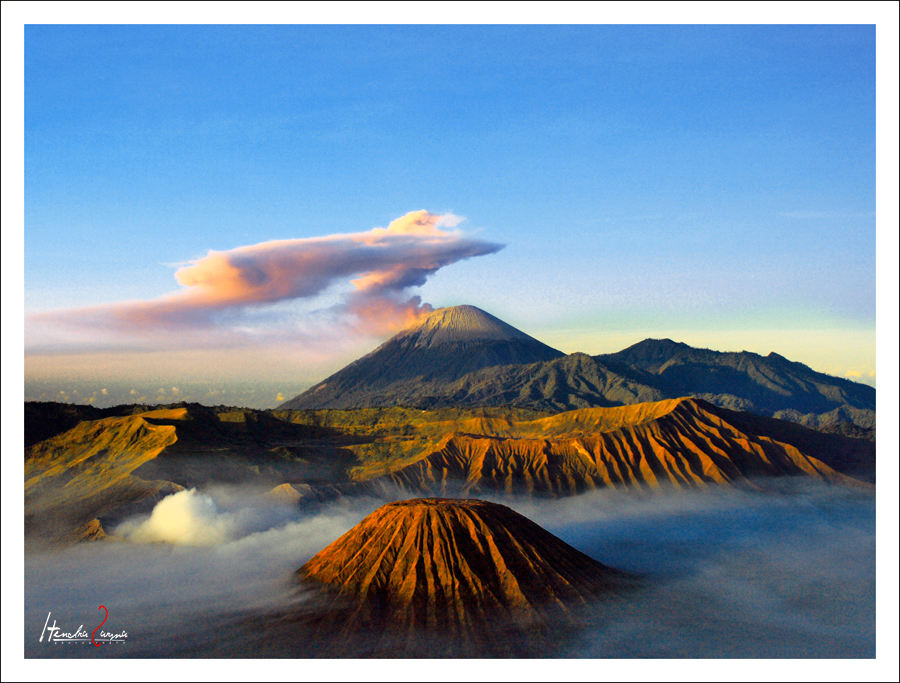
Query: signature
57	634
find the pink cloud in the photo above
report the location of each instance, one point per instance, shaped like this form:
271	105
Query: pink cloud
381	264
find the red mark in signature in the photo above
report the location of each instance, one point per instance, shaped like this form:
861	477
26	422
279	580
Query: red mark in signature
101	624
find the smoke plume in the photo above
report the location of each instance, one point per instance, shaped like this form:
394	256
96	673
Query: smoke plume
220	289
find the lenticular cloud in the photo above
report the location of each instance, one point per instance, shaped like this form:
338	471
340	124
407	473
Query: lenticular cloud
381	265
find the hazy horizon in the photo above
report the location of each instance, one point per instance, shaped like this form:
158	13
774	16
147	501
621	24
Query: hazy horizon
261	394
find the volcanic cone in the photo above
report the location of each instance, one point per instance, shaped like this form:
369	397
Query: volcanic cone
463	570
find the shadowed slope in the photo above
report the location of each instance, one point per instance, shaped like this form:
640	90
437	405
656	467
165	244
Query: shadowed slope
458	568
440	348
566	383
765	384
462	356
772	386
45	419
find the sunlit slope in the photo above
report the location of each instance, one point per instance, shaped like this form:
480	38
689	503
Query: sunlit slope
121	465
87	471
456	568
680	442
93	455
385	421
100	468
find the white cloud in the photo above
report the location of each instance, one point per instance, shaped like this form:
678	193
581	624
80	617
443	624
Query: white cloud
193	518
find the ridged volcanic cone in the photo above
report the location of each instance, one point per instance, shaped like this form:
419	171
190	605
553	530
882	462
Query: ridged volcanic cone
455	567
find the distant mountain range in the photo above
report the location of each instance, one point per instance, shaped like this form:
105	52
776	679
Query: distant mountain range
81	482
463	356
461	403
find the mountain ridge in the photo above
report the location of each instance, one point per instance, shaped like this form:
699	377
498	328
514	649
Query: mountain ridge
104	470
685	443
466	370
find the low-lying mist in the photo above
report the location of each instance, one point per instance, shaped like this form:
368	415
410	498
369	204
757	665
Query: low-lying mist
731	573
728	573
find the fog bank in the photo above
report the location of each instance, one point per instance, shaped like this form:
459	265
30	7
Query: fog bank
728	573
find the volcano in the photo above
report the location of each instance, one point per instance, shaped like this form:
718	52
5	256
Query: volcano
464	357
463	570
435	351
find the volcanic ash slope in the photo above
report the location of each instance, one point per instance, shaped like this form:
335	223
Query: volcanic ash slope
685	443
438	576
425	358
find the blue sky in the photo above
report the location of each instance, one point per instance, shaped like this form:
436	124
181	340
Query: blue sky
711	184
